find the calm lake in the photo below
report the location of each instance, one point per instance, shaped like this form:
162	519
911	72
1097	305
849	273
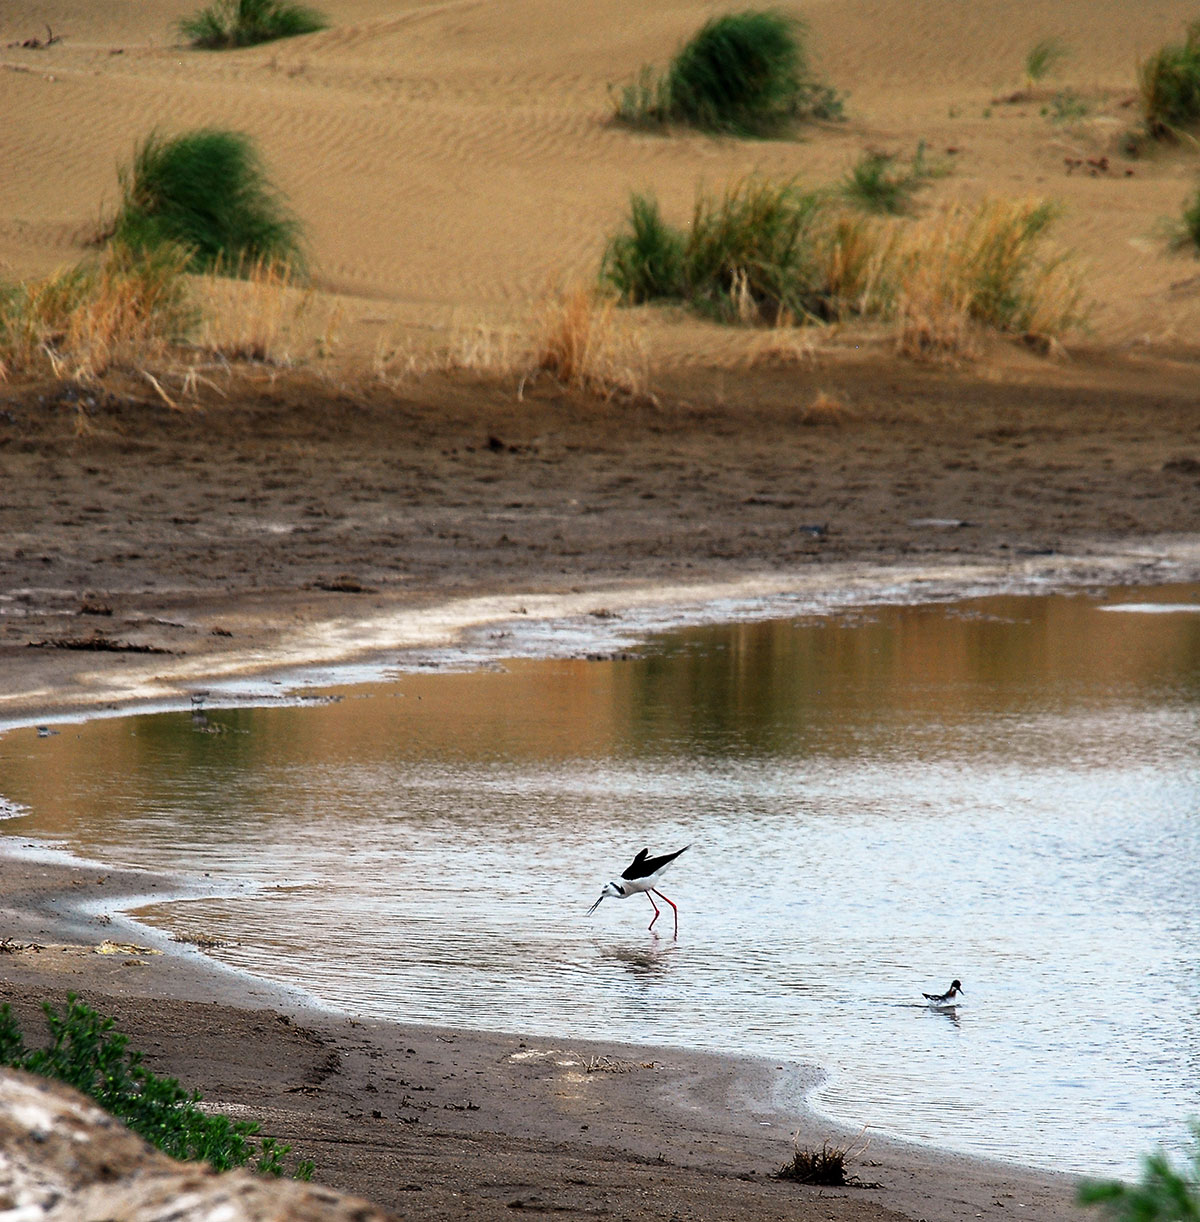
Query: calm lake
1004	790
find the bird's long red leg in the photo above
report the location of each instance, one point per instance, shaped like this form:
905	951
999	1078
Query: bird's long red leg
655	907
669	901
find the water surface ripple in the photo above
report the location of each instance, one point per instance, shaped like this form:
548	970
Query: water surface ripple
1002	790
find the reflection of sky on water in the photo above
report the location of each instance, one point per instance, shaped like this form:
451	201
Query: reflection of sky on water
1003	790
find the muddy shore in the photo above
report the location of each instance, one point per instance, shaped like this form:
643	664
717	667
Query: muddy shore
147	551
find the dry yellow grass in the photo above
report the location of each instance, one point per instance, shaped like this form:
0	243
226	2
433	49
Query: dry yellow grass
116	310
579	340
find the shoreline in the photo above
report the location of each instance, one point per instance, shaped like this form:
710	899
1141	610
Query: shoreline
474	630
711	1123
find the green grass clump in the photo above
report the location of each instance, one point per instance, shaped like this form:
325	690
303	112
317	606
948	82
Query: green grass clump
755	253
742	74
1165	1193
878	182
87	1053
1043	58
1169	84
243	23
206	191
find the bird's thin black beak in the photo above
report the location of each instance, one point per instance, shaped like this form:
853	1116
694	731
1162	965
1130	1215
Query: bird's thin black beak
594	906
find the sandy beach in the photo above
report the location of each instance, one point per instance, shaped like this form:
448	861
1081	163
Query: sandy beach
366	494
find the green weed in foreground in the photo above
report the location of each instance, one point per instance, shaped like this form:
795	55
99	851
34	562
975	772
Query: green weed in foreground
87	1053
1169	84
745	74
1164	1194
227	24
206	191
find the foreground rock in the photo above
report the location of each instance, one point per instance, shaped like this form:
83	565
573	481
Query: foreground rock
62	1159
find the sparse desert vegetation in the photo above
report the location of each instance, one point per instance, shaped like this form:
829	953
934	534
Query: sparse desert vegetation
771	252
228	24
742	74
881	182
1169	87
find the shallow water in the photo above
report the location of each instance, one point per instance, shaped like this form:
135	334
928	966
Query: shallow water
1003	790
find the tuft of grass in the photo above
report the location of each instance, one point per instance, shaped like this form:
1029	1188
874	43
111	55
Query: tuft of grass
989	266
826	1166
742	74
878	182
1043	58
206	191
1066	106
1165	1193
762	252
121	308
86	1052
226	24
1169	87
578	341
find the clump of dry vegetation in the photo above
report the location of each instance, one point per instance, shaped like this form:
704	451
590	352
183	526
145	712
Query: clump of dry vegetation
580	342
774	253
826	1166
118	308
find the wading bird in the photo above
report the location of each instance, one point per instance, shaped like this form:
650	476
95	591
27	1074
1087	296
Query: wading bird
642	874
946	998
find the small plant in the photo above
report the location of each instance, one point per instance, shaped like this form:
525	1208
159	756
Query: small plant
1165	1193
826	1166
878	182
1066	106
1042	59
242	23
206	191
744	74
1169	85
1189	233
87	1053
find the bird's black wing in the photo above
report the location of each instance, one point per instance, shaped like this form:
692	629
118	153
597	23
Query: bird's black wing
643	866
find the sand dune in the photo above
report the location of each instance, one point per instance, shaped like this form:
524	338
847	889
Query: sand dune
450	159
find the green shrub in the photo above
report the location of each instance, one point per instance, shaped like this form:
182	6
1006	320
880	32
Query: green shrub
242	23
206	191
759	252
745	74
1169	84
1165	1193
88	1054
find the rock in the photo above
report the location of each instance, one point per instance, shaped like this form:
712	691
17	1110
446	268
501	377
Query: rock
63	1159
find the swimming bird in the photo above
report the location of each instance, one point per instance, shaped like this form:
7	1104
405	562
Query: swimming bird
946	998
641	875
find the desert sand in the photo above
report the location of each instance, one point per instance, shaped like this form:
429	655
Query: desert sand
451	162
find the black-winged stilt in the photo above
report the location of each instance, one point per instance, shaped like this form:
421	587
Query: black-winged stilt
946	998
641	876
